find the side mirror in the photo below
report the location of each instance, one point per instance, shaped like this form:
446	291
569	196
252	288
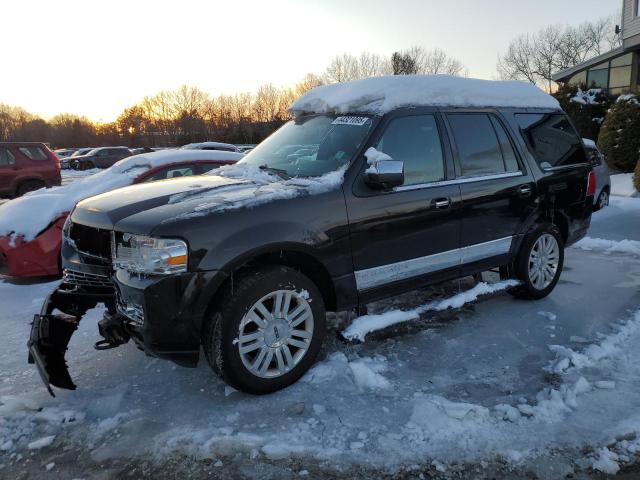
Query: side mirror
385	174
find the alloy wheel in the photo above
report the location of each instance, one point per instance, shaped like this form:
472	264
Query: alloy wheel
543	261
275	333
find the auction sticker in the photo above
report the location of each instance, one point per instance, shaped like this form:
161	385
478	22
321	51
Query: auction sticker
359	121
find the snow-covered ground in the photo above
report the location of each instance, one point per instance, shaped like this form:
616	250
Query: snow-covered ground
469	380
622	185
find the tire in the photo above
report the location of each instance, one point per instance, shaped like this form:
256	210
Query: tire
545	237
88	165
271	360
29	186
603	200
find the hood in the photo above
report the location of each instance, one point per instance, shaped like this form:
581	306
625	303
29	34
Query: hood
149	204
143	207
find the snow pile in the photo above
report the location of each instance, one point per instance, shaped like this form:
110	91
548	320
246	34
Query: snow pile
383	94
589	143
622	185
30	214
631	247
365	372
250	186
593	354
362	326
587	97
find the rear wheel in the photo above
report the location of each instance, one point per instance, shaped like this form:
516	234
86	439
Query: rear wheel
29	186
539	262
267	332
603	200
88	165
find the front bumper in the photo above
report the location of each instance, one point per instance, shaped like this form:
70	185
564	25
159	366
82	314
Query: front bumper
165	314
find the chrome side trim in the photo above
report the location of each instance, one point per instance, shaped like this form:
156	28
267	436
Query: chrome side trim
479	251
458	181
393	272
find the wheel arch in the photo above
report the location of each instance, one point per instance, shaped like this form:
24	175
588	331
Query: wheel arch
290	255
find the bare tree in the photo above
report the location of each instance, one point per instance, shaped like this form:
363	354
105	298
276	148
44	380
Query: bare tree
536	57
347	67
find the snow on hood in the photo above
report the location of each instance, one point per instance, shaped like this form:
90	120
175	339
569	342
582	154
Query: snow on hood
250	186
28	215
383	94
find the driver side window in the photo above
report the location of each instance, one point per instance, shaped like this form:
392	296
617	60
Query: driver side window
415	140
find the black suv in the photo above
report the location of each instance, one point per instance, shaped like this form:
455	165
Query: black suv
329	213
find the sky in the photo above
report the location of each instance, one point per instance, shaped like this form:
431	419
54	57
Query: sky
97	57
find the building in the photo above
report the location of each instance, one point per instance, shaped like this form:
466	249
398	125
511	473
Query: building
618	70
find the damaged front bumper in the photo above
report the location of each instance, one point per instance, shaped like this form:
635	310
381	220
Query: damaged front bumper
51	332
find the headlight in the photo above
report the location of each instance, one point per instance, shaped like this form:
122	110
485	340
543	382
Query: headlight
154	256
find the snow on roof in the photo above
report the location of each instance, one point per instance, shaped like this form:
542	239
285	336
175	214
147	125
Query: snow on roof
203	145
383	94
30	214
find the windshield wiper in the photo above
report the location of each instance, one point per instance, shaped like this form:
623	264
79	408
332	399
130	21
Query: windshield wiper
278	171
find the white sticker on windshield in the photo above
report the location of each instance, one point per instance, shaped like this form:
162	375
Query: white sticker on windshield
350	121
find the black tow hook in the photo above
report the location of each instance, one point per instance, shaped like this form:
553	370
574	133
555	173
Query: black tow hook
111	327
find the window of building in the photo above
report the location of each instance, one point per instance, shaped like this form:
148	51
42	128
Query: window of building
415	140
483	145
551	139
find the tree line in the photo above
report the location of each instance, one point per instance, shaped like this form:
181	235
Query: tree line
188	114
536	57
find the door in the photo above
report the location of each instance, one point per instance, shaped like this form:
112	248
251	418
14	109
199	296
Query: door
400	236
8	169
496	189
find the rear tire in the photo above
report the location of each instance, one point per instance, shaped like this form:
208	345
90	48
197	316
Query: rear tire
88	165
603	200
29	186
267	331
539	263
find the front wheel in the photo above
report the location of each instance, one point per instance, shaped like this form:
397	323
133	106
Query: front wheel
268	331
539	262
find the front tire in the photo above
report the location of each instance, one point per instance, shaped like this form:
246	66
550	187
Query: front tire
267	331
539	263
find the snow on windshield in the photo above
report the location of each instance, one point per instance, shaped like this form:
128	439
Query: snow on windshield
383	94
28	215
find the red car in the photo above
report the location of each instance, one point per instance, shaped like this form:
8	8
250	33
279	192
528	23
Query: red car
41	256
27	166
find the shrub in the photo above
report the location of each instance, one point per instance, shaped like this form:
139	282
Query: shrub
619	139
587	108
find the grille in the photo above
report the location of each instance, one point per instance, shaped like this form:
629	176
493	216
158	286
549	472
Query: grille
86	279
92	241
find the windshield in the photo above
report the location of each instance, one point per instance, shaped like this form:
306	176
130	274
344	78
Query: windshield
311	146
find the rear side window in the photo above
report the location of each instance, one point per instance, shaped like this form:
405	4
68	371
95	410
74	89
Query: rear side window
551	139
6	157
34	153
415	140
483	145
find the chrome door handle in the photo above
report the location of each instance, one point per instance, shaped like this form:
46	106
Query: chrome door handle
525	190
441	203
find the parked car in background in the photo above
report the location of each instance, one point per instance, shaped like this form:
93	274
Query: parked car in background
64	152
101	157
438	178
27	166
246	148
65	163
40	256
601	170
225	147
